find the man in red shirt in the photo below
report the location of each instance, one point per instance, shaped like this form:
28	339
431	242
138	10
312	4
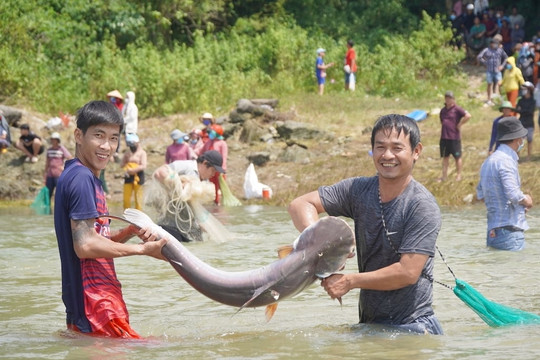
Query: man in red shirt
350	65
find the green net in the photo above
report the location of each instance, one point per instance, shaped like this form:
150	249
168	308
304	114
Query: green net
493	314
227	197
41	204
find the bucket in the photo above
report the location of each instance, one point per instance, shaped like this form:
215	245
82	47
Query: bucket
266	193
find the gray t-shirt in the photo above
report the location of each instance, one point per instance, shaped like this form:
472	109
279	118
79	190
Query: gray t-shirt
413	220
185	167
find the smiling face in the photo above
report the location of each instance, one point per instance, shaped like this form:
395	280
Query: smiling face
393	156
97	145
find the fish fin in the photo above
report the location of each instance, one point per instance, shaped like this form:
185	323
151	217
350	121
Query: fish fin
340	302
261	290
270	310
284	250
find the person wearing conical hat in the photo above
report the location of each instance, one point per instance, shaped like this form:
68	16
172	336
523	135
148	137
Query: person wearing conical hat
116	98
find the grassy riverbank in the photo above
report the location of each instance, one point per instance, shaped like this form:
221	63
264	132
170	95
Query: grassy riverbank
349	116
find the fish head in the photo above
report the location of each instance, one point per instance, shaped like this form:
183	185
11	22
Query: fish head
330	242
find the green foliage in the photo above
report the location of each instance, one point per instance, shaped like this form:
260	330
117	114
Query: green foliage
58	54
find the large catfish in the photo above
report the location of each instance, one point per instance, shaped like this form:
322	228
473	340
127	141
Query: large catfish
321	250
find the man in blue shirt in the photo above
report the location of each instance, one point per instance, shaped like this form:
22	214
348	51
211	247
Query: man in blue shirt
499	188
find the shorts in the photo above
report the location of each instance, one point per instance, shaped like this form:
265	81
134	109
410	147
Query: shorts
493	76
321	80
31	151
530	134
450	147
506	238
347	77
423	325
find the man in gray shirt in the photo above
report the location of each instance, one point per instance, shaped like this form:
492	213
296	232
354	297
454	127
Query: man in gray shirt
396	220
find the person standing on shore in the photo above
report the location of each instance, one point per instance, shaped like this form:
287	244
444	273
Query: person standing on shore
57	154
494	58
396	224
320	69
500	189
350	65
452	119
91	291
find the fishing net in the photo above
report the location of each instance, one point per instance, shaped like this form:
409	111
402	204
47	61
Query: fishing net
178	204
227	197
42	202
493	314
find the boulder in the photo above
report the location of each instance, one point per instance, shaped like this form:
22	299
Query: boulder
251	131
12	115
259	158
296	154
300	131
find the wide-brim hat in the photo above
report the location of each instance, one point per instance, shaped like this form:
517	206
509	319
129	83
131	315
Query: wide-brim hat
506	105
55	135
177	134
116	94
215	159
510	128
320	50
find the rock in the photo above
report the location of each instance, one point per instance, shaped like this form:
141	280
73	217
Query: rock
236	117
246	106
295	154
12	115
272	103
251	131
300	131
259	158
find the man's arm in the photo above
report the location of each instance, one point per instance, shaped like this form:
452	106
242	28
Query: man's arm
463	120
305	210
396	276
89	244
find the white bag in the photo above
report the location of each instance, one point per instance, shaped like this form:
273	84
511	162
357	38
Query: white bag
253	189
352	82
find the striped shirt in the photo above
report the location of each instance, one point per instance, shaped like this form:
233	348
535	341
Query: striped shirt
499	187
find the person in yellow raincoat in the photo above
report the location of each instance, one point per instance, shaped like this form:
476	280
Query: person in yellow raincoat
134	163
512	81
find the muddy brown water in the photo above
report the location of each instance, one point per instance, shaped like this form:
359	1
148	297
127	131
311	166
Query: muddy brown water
178	322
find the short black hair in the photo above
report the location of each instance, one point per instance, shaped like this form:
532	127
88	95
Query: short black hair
98	112
350	43
399	123
24	127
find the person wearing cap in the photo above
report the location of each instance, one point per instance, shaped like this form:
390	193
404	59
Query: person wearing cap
204	168
207	119
134	163
494	58
178	150
30	144
320	69
452	119
57	154
216	142
525	108
512	80
507	110
116	98
91	291
500	189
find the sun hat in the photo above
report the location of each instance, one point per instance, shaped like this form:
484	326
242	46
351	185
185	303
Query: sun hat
55	135
470	7
506	105
214	158
116	94
449	94
177	134
132	138
510	128
196	131
207	115
320	50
